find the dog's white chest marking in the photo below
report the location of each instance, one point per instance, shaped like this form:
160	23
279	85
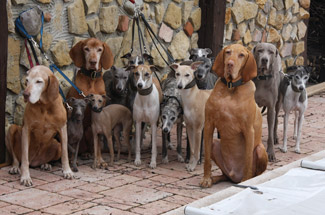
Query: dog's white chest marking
291	101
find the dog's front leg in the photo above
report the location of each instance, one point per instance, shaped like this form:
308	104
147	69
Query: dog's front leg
179	142
270	141
285	126
67	173
137	161
25	178
208	138
249	135
300	120
153	162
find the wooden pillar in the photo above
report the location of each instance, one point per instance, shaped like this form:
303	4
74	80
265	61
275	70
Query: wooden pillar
212	25
3	75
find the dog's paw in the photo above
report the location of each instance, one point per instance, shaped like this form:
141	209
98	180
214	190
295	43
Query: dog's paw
190	167
294	137
153	164
74	168
206	182
271	156
68	174
104	165
14	170
297	150
165	160
26	181
180	158
46	167
137	162
170	146
283	149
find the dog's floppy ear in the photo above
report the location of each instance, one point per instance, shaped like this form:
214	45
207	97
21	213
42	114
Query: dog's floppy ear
77	54
219	64
153	68
196	64
249	71
107	58
52	90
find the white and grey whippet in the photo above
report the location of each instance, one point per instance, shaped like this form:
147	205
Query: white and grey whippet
146	107
295	99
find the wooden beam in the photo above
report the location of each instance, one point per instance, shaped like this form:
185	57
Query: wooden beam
3	75
212	25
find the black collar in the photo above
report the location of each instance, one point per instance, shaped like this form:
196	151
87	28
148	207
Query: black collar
232	84
263	77
145	92
91	73
191	84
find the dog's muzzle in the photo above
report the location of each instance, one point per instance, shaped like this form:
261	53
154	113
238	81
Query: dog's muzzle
97	110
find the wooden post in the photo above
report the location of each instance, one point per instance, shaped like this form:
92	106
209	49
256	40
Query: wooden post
3	75
212	25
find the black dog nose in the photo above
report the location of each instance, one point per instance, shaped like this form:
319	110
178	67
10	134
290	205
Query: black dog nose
199	75
264	60
140	85
179	87
165	130
301	88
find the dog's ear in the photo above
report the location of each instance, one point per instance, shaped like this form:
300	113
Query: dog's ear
174	66
130	68
219	64
77	54
249	71
153	68
107	58
71	99
52	90
195	65
147	57
208	51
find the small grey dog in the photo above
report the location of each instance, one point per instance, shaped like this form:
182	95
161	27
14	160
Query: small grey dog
205	78
116	80
267	94
295	99
75	128
171	113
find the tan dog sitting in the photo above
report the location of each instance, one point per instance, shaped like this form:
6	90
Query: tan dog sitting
104	121
43	136
231	108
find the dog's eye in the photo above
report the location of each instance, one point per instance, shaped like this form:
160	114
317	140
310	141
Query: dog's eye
164	116
187	75
241	55
100	100
172	118
228	52
86	49
146	74
260	51
116	76
38	82
271	52
297	77
137	74
305	77
99	50
177	74
125	77
207	66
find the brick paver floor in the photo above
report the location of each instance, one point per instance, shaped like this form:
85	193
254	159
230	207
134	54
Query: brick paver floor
127	189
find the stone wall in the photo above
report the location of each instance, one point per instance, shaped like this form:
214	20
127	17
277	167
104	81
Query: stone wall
280	22
175	21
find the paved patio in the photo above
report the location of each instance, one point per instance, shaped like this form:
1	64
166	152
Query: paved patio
126	189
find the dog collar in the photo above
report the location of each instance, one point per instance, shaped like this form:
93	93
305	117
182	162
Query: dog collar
191	84
91	73
232	84
263	77
145	92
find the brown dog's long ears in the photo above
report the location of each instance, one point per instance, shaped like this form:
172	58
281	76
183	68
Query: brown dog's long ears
249	71
219	64
52	91
77	54
107	58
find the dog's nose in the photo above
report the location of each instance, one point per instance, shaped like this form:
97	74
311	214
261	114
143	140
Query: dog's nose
180	86
199	75
230	64
165	130
301	88
264	60
140	85
93	62
26	95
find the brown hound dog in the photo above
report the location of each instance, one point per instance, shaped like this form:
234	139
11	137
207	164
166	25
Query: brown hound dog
231	108
90	55
43	136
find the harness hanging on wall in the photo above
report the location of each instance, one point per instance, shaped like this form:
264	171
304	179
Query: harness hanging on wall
29	24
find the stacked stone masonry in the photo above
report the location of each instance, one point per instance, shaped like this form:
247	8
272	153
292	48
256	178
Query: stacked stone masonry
69	21
281	22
